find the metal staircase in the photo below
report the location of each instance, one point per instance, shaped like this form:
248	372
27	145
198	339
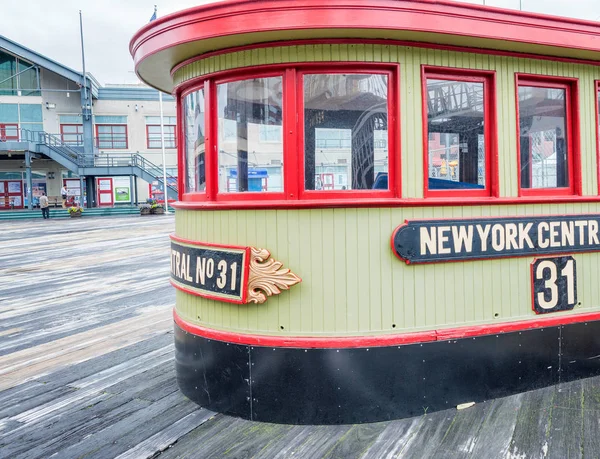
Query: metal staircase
110	165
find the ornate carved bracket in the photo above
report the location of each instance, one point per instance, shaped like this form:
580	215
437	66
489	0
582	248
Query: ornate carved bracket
267	276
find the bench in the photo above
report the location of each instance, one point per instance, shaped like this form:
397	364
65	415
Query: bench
55	200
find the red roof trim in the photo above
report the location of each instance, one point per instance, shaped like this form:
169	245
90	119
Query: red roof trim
239	17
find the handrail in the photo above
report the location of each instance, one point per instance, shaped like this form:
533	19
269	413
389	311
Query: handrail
54	142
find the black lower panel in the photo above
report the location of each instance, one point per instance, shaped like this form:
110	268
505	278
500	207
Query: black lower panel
346	386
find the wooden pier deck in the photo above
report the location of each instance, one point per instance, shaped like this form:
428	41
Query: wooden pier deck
86	369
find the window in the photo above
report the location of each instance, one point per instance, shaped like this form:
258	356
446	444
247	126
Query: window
9	132
345	131
546	153
72	134
248	110
194	134
153	133
17	77
111	136
458	134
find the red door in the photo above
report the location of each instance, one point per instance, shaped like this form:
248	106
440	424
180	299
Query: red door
11	194
105	192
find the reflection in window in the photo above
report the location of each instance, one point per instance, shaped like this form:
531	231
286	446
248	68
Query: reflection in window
345	132
195	172
250	135
543	137
18	77
455	127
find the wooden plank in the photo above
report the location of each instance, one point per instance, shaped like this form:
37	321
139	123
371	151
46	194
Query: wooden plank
167	437
591	427
493	439
530	437
431	433
566	429
463	434
394	438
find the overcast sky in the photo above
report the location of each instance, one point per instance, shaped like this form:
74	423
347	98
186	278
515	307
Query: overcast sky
51	27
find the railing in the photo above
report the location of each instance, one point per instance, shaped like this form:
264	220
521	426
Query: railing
131	160
56	144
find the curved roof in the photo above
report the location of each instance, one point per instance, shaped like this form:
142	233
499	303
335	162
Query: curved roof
163	44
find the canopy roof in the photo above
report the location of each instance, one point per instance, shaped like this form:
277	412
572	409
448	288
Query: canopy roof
163	45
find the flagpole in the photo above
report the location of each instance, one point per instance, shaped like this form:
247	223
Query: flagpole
162	142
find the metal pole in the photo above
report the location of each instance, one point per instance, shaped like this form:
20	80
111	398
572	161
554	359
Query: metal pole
85	94
162	142
81	204
29	180
521	5
131	190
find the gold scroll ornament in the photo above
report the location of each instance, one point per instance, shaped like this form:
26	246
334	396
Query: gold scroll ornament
267	276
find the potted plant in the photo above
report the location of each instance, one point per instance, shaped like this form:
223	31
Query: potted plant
75	212
145	209
156	208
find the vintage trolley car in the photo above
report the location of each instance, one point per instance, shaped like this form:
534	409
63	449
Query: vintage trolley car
386	207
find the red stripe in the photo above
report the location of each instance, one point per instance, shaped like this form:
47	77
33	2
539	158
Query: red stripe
193	202
348	342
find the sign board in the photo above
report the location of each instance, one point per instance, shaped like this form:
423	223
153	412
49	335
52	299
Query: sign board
554	284
436	241
227	273
209	270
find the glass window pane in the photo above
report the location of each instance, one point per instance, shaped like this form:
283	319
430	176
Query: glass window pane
543	137
345	132
31	113
195	173
455	126
28	79
8	70
245	162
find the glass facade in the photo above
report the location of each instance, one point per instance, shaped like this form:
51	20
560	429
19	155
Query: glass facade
250	144
12	82
345	132
195	134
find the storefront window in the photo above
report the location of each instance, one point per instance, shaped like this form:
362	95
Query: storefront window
195	134
345	132
250	143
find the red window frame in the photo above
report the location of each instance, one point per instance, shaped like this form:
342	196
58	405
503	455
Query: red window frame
245	195
597	117
293	138
11	126
168	138
392	72
180	133
112	140
78	133
571	87
490	130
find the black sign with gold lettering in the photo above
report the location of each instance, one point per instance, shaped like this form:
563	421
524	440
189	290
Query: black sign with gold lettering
434	241
212	271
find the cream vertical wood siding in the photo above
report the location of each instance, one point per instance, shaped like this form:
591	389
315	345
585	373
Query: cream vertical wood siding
352	282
